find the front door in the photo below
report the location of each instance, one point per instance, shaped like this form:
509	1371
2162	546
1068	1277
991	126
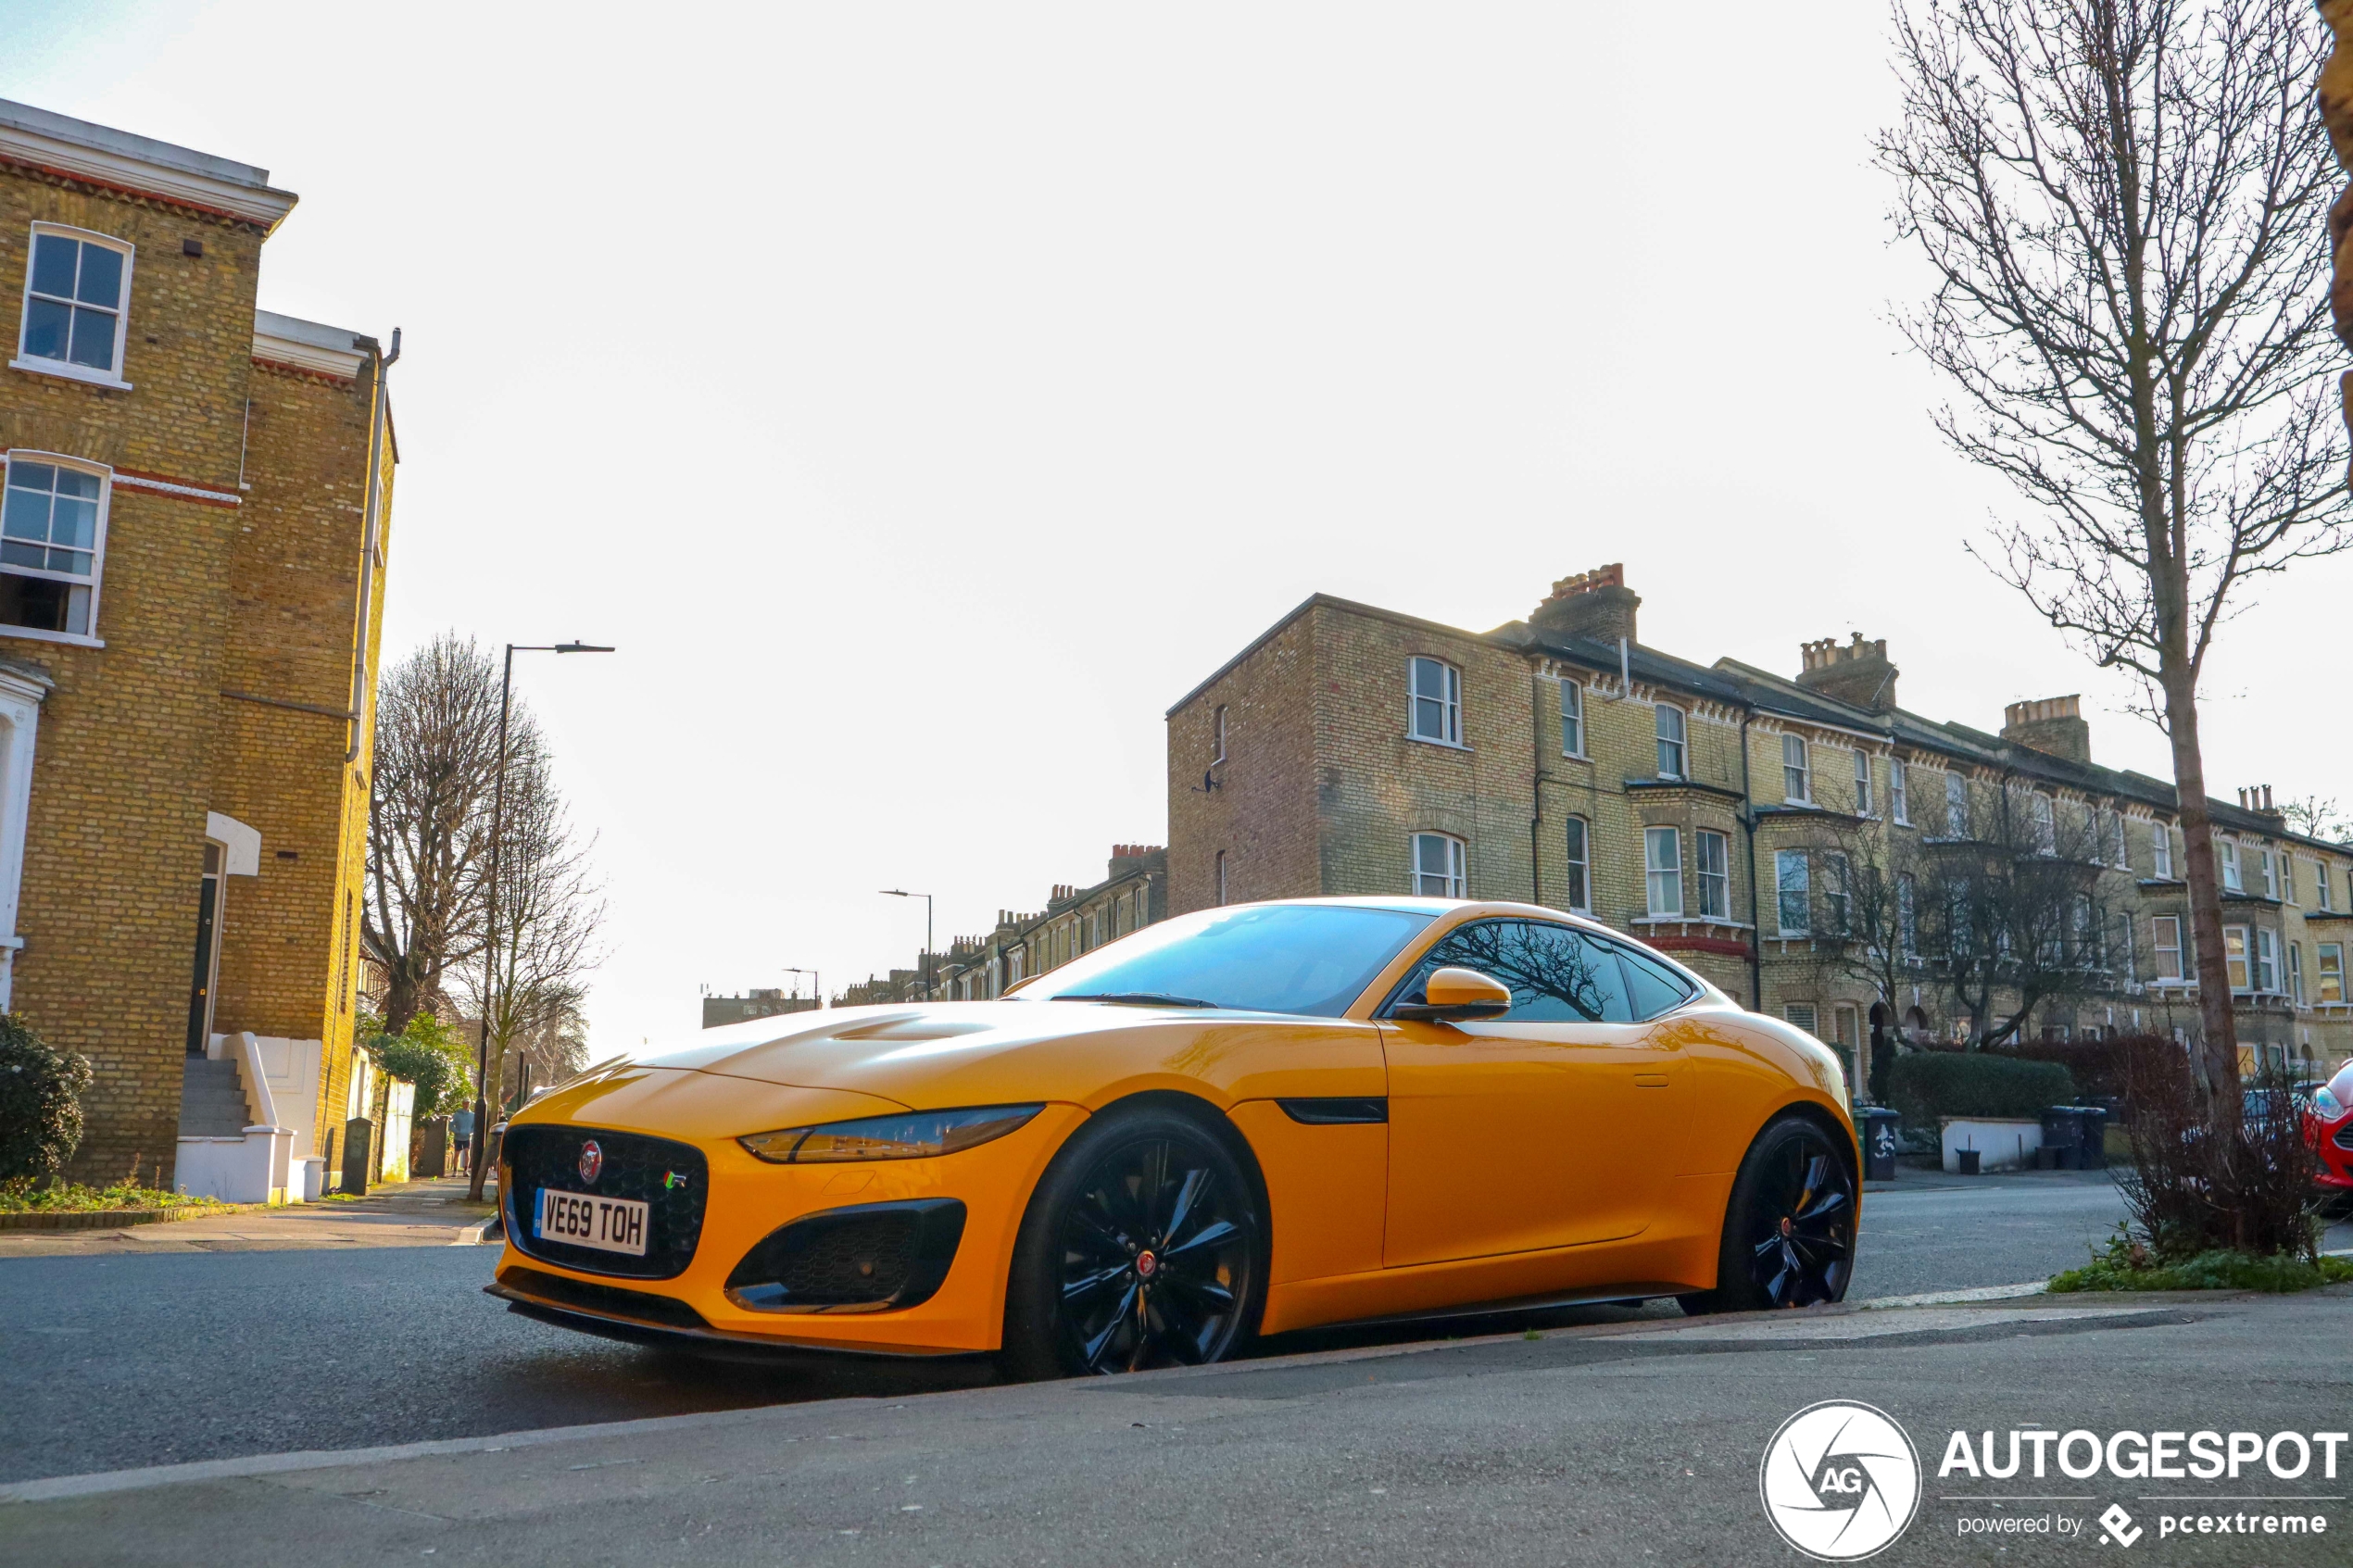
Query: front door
1551	1126
207	962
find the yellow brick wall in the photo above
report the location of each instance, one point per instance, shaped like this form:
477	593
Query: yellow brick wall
135	744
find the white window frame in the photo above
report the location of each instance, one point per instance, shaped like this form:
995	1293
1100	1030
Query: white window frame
2271	873
1801	883
1572	717
1899	794
1663	871
112	375
1217	735
1450	705
2287	876
1838	892
1221	879
2129	949
2165	936
1956	804
1679	740
89	639
1576	845
2044	812
2296	973
2323	886
2267	959
2329	963
1863	802
2227	852
2238	959
1714	874
1798	776
2117	845
1805	1016
1455	873
2160	852
1908	912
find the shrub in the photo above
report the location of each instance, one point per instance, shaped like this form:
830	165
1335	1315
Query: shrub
428	1054
1928	1084
2192	1191
40	1104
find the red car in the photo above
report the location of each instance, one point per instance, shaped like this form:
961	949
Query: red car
2328	1130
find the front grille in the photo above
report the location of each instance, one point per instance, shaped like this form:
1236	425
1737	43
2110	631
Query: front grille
2344	1138
672	1178
869	1257
605	1299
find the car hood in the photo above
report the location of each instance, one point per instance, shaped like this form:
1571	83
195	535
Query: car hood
935	1056
948	1054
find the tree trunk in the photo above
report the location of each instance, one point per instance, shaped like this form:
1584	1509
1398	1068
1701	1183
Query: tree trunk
2218	1057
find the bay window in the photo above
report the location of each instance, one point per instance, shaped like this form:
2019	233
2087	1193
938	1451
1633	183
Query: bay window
1663	870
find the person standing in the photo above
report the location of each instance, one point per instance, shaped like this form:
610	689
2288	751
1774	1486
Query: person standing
462	1132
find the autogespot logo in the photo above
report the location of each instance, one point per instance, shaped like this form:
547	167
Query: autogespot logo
1840	1480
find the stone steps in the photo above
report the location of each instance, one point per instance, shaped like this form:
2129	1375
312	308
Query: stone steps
212	1100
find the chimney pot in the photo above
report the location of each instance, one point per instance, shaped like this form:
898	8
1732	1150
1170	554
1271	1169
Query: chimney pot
2052	725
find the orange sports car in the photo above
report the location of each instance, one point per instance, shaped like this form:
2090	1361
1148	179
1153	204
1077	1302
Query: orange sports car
1235	1123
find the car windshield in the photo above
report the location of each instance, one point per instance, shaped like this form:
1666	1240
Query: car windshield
1309	959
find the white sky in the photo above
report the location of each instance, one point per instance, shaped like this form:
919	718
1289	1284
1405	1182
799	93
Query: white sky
924	397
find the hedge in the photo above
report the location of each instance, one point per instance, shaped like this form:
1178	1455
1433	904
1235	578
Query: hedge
1928	1084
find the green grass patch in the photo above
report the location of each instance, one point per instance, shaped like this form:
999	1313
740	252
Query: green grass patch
58	1197
2207	1271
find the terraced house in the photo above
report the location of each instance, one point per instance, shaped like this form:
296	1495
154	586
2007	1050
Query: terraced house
1810	846
192	551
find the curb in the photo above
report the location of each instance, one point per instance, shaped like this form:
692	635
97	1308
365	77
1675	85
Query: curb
108	1219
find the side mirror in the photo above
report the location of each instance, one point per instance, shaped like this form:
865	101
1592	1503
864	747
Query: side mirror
1458	994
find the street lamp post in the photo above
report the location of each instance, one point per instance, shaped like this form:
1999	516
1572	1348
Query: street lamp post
490	908
902	892
816	982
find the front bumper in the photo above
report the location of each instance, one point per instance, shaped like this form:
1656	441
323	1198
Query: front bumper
750	1200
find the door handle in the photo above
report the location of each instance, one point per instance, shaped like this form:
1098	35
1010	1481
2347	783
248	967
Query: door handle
1650	1079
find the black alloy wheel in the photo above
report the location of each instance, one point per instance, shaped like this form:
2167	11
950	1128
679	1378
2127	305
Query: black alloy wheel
1788	1231
1142	1250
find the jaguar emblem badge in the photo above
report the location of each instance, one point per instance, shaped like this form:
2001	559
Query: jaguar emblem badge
592	1161
1146	1265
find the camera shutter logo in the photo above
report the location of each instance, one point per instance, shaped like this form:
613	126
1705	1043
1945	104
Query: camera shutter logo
1840	1480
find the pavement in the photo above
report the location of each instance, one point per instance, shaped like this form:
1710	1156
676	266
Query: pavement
423	1213
1629	1443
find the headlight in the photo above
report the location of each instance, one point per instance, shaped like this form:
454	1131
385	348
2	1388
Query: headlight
917	1136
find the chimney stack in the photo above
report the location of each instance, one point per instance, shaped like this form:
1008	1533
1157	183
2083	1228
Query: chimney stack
2053	724
1595	604
2257	799
1858	673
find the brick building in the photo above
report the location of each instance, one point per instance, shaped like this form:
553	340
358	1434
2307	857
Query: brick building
769	1002
190	587
1132	895
1721	812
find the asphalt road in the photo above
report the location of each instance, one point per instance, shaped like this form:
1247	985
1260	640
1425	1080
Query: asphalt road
1634	1445
127	1360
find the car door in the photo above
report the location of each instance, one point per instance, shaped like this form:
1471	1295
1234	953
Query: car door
1552	1126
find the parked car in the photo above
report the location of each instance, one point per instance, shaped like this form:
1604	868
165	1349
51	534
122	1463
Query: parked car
2328	1131
1241	1120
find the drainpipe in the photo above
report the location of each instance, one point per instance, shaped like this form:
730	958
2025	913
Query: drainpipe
1756	913
1535	786
377	414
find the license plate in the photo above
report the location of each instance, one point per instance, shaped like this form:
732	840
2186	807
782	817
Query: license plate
608	1225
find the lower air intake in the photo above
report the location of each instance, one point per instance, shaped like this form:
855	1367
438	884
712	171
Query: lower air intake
871	1258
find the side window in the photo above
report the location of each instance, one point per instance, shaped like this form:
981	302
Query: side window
1434	702
1556	974
1654	987
1572	718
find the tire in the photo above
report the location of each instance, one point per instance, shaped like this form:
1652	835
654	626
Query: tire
1144	1245
1789	1230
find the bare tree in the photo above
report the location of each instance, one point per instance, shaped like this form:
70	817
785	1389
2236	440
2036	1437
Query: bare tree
429	819
2125	204
2007	919
2011	917
2315	817
549	914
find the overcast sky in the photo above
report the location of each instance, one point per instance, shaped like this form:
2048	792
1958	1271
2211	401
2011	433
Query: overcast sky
925	397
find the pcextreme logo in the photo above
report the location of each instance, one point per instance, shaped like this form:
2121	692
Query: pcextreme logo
1840	1480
